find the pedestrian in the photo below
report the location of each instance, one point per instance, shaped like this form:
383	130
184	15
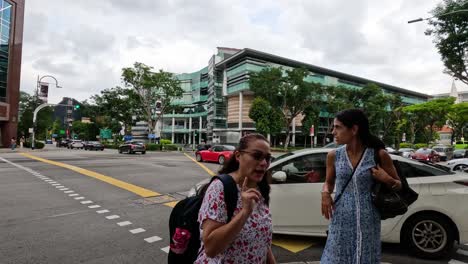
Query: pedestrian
247	237
354	230
22	140
13	143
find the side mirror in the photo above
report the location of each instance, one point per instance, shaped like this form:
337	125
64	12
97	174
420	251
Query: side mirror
279	176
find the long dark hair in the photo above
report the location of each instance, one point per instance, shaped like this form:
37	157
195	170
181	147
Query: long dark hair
232	164
351	117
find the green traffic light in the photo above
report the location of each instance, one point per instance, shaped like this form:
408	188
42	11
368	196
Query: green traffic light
77	107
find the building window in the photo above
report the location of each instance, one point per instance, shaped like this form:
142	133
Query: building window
5	22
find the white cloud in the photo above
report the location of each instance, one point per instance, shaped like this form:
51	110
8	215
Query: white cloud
86	43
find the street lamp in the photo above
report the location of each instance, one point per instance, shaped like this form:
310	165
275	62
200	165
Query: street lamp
449	13
33	145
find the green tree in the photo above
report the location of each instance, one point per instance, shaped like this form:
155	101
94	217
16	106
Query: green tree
458	119
28	104
430	115
450	32
311	118
151	87
267	119
286	91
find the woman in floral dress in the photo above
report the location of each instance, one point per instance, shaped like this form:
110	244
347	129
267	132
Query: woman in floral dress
354	231
247	237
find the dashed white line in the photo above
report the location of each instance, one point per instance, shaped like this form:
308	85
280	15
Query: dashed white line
165	249
79	198
94	206
102	211
152	239
55	184
125	223
69	191
86	202
73	194
110	217
462	252
137	230
59	186
64	189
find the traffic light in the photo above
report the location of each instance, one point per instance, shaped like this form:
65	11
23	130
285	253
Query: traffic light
77	107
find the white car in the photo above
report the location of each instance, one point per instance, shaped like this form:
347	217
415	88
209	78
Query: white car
458	164
295	203
76	144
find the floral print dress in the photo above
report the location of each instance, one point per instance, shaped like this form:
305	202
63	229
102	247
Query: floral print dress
354	231
251	245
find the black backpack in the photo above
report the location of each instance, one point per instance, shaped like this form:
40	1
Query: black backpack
184	218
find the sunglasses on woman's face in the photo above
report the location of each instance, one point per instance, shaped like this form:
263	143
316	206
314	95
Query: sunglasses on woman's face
259	156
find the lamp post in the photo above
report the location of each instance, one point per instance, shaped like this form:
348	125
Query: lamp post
33	145
449	13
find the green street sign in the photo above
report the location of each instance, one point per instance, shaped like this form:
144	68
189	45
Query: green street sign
62	132
105	133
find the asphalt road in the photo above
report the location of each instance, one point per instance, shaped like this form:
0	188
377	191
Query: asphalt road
43	218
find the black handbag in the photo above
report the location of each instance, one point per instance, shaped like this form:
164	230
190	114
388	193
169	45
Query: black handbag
391	203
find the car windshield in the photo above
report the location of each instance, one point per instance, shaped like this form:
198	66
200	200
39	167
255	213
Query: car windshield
229	148
439	149
424	151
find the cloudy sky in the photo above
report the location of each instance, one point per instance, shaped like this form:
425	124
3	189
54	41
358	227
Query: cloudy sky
86	43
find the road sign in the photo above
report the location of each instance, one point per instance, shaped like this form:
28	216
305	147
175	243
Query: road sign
128	137
62	132
30	130
312	131
105	133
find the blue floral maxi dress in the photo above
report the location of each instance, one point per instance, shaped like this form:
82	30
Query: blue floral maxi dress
354	231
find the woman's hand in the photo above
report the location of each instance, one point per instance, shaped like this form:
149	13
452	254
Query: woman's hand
327	205
379	174
250	197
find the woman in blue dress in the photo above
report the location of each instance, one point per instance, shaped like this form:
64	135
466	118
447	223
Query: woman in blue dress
354	231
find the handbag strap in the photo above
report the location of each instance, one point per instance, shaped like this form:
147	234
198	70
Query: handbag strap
338	197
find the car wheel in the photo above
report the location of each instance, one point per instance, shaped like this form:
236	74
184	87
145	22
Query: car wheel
221	160
120	151
429	236
102	149
460	167
198	158
143	152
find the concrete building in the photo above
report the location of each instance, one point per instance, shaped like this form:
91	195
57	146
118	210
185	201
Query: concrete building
216	101
11	44
460	96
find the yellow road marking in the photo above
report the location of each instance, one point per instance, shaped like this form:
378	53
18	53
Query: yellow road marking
118	183
293	244
171	204
210	172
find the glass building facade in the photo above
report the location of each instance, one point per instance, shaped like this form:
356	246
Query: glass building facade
5	28
217	99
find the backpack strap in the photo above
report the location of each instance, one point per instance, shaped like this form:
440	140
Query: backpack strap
231	194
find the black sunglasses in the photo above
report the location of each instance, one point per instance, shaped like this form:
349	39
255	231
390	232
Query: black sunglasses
259	156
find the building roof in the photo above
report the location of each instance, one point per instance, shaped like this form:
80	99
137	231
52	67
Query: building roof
316	69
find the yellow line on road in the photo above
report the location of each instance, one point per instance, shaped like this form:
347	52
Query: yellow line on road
118	183
210	172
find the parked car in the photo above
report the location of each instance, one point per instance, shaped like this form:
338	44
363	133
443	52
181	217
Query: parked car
458	164
217	153
391	150
460	153
406	152
426	155
63	143
132	147
298	179
76	144
93	145
445	152
48	141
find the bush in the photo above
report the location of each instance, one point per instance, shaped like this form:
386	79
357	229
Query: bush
170	147
405	145
165	142
37	145
153	147
420	145
110	146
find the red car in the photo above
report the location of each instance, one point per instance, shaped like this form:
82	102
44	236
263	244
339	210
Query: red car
426	154
217	153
